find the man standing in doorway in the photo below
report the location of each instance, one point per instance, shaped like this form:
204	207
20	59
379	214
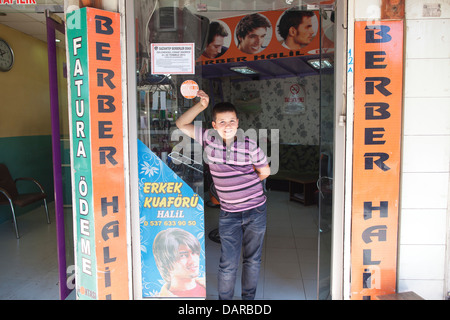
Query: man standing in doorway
296	29
237	166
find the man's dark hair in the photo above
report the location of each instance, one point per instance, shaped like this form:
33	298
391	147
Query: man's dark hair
291	18
250	22
222	107
165	249
215	29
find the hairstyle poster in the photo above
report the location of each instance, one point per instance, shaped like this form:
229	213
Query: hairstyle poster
267	35
172	232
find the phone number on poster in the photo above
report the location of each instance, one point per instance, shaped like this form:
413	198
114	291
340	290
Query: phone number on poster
170	223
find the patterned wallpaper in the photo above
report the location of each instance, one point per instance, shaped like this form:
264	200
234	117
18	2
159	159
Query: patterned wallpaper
301	128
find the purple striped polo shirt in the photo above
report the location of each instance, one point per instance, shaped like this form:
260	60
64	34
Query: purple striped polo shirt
233	169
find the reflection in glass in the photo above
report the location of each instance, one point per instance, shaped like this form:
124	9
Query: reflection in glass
170	163
159	101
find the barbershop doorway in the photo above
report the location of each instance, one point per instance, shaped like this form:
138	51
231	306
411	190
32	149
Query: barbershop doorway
288	92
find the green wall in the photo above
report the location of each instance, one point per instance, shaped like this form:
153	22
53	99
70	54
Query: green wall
28	157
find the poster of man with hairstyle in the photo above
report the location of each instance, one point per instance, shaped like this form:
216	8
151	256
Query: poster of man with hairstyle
251	33
177	256
215	43
296	28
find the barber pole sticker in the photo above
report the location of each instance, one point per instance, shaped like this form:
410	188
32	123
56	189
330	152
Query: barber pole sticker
189	89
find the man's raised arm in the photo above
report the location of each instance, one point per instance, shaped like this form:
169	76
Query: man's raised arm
185	121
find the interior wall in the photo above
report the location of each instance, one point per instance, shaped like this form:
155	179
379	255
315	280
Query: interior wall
302	128
25	126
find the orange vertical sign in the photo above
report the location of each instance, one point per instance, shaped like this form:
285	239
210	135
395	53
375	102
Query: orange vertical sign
105	96
378	85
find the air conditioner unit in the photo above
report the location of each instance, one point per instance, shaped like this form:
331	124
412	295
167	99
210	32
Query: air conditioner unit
175	25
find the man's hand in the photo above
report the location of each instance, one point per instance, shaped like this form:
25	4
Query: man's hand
263	172
204	98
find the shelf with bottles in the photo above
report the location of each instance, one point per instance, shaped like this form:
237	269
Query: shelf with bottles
162	122
162	146
157	112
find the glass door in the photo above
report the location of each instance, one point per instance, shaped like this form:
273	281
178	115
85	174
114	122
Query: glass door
271	67
325	181
169	163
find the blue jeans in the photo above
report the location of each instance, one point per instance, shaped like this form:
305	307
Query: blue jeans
238	230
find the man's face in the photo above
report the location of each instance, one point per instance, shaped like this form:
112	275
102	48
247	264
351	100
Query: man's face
214	48
253	41
187	265
226	124
303	34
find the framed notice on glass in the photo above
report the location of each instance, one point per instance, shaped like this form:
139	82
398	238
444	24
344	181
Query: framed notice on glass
172	58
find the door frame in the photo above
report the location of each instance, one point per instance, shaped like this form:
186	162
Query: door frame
130	37
52	27
342	172
342	126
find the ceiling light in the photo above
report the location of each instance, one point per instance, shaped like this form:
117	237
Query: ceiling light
243	70
321	64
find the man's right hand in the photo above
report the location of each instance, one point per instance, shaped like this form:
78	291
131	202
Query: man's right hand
204	98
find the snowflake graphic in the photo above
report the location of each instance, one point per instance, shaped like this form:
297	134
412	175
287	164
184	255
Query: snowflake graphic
146	169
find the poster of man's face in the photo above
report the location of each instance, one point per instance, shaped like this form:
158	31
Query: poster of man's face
297	28
218	40
253	33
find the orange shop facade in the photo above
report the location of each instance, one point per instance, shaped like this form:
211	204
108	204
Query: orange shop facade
389	226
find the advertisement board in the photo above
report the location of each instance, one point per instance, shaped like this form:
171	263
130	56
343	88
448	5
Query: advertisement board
267	35
172	231
97	154
378	90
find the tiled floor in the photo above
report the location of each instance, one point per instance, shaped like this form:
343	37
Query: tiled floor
289	261
29	267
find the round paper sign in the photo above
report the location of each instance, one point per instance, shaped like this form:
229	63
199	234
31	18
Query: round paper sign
189	89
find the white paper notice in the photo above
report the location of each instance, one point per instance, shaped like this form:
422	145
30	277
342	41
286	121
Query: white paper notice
172	58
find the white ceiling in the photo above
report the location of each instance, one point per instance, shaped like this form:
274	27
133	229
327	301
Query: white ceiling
24	18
